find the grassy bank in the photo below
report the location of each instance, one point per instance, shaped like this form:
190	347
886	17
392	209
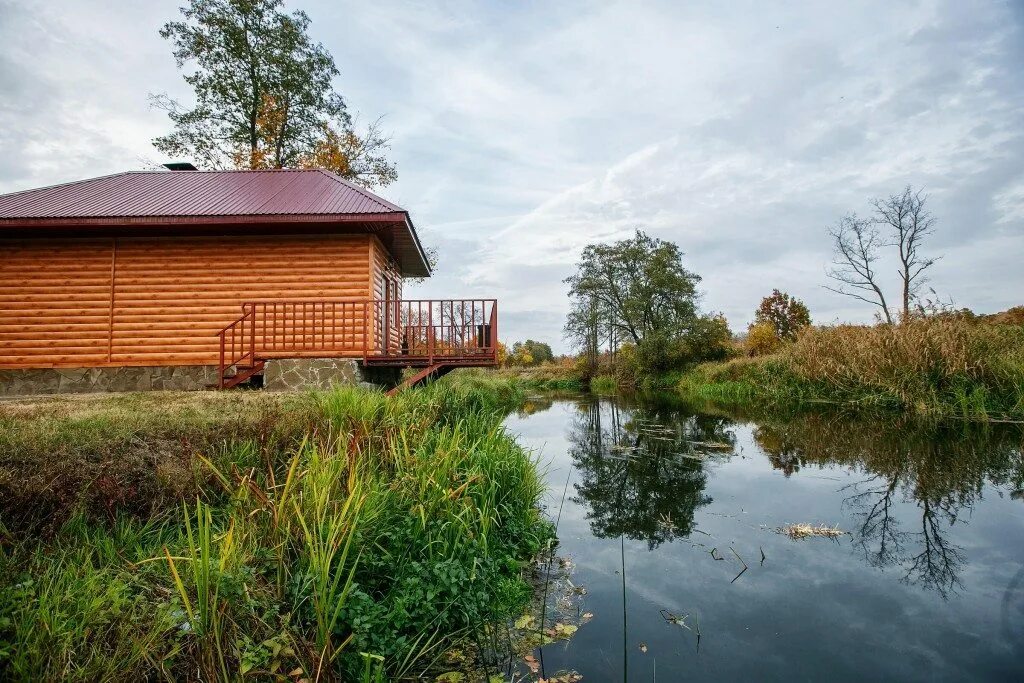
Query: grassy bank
546	377
944	367
331	536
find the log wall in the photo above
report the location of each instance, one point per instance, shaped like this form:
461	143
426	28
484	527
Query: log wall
136	301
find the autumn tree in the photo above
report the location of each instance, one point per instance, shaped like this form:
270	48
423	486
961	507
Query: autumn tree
264	96
530	352
786	315
901	221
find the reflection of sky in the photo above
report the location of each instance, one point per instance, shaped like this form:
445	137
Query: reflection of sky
814	609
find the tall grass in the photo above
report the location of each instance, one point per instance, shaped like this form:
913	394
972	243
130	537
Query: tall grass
944	366
357	540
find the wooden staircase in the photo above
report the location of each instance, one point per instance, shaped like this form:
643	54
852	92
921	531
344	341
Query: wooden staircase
428	374
242	373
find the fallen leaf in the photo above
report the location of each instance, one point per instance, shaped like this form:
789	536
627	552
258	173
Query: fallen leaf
588	615
643	647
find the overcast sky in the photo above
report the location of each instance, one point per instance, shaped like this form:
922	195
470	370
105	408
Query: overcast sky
524	130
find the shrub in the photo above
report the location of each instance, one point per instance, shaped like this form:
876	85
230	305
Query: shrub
762	340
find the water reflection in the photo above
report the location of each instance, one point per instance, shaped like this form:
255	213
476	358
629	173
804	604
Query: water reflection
940	470
641	472
667	504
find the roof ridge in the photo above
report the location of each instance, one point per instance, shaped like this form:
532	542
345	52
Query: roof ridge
361	190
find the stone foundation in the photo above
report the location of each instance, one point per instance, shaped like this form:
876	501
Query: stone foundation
291	374
34	381
287	374
294	374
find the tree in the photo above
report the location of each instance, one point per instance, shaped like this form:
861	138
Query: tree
531	352
639	285
785	314
636	294
762	340
910	223
264	95
857	243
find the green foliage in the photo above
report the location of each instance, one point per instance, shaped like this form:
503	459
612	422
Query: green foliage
636	293
786	315
264	95
359	543
630	289
603	384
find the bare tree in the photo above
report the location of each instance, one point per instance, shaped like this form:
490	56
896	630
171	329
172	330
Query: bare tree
910	222
856	243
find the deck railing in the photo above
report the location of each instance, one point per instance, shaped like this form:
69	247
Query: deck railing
435	329
386	332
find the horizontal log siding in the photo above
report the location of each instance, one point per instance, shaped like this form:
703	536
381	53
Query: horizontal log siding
55	303
170	295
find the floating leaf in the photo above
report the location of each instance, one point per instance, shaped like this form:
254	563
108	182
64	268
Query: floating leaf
565	630
588	615
643	647
525	621
451	677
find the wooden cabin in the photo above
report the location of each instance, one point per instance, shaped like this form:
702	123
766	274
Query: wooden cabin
225	270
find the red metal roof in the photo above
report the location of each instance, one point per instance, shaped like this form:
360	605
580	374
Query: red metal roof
197	193
173	197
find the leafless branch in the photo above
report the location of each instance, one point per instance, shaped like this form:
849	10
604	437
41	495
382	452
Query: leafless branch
856	243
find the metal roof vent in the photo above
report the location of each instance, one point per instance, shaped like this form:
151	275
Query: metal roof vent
180	166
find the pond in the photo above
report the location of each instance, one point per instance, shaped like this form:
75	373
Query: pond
672	523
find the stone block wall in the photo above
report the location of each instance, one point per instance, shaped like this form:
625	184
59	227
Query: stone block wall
288	374
24	382
293	374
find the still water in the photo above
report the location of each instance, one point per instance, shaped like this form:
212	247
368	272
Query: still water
660	507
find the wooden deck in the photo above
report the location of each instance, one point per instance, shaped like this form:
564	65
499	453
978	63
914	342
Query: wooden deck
435	334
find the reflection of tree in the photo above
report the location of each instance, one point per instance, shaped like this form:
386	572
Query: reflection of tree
937	471
535	404
636	476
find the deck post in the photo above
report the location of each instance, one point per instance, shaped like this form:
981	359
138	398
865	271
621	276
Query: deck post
220	370
366	327
252	334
